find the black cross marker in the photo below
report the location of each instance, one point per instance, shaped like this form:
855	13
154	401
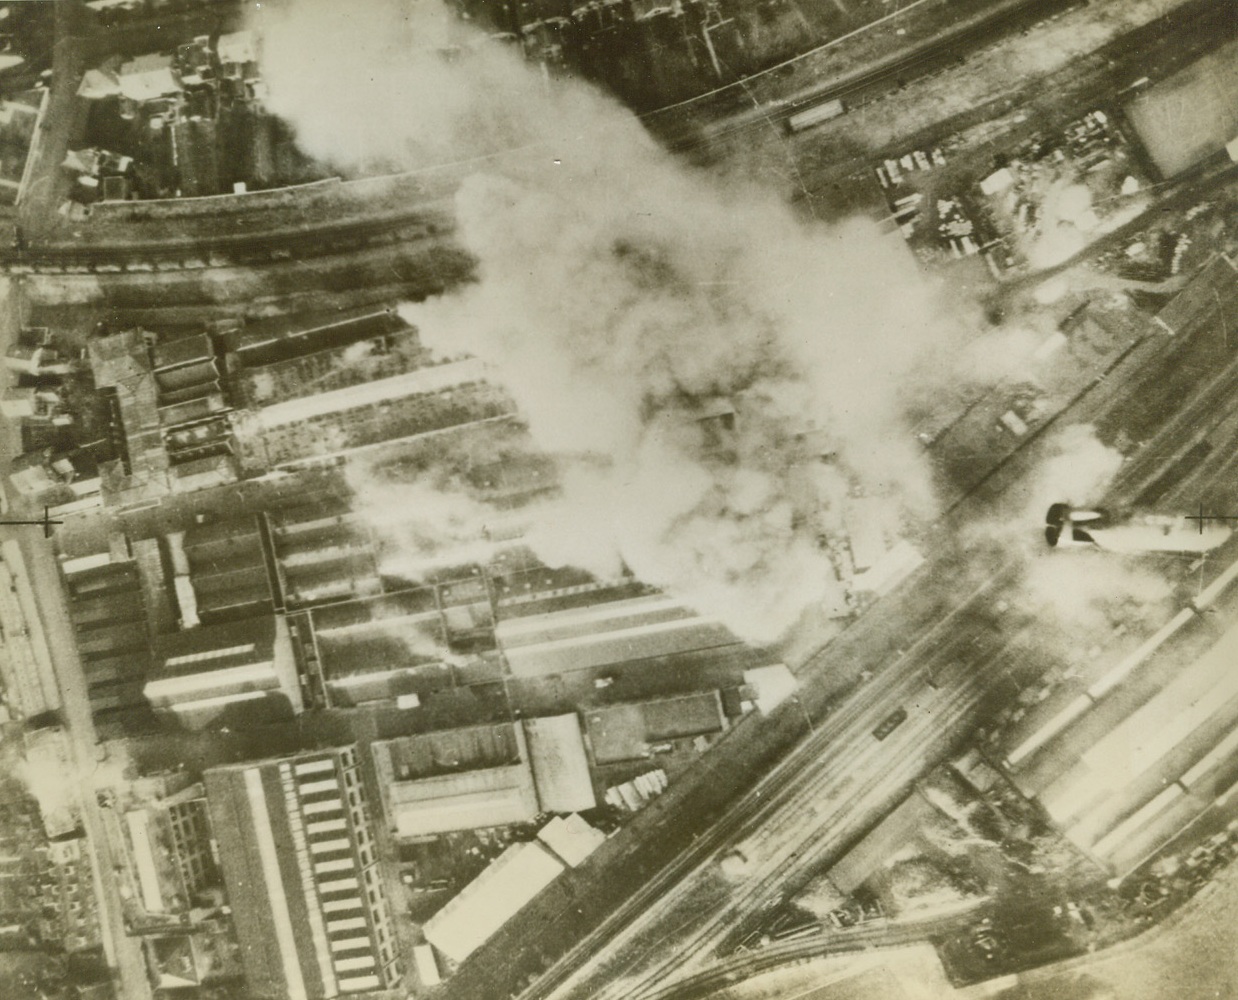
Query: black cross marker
1201	518
45	520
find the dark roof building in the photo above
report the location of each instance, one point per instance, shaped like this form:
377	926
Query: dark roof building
205	675
297	852
628	731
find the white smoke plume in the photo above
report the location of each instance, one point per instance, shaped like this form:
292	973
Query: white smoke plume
1081	592
619	294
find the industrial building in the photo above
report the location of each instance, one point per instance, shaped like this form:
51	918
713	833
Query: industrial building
297	851
169	839
109	626
259	343
630	731
1125	761
496	896
168	414
560	764
225	564
571	838
379	648
356	419
457	779
217	673
483	776
321	553
25	662
597	634
316	388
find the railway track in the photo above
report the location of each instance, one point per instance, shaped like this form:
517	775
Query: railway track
233	250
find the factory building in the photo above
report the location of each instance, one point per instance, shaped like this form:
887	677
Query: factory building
169	840
25	662
109	626
603	633
321	387
297	851
226	568
208	675
1125	762
263	342
323	553
496	896
630	731
378	648
483	776
168	415
332	360
560	764
458	779
571	839
356	419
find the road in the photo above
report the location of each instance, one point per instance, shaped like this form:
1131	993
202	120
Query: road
124	953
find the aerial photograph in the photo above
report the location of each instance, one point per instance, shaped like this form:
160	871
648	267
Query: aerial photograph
619	499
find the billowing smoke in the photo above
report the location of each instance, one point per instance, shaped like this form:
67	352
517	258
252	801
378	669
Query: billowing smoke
629	304
1078	472
1084	593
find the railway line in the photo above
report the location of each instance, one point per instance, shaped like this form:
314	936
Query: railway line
232	250
849	728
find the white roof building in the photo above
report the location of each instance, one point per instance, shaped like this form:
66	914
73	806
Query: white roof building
601	634
492	899
773	685
571	838
560	764
148	77
493	796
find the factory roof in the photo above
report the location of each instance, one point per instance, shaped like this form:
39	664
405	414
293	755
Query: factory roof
182	350
259	812
560	765
492	899
434	378
600	634
495	796
456	779
119	357
626	731
205	670
571	838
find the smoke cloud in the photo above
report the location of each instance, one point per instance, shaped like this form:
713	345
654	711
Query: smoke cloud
621	297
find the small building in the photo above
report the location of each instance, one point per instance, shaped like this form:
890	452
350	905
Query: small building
18	402
148	77
571	838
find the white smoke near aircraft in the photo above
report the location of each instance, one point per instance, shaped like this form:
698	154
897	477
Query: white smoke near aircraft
1085	595
620	296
